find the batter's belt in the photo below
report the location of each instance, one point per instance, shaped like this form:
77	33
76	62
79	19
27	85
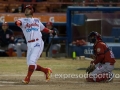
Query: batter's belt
33	40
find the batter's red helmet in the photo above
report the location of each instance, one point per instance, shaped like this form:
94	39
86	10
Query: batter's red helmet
30	7
49	23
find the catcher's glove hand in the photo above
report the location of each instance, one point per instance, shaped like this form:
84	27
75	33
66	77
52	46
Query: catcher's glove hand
90	68
92	56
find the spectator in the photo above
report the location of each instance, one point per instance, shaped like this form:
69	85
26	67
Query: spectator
6	39
15	10
55	45
20	46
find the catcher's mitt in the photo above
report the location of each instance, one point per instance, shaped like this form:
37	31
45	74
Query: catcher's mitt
90	69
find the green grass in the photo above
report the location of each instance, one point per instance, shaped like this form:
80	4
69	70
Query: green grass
18	65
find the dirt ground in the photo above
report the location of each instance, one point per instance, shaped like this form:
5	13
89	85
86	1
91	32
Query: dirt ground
64	77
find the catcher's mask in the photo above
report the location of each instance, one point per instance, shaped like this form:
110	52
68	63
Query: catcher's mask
93	36
29	7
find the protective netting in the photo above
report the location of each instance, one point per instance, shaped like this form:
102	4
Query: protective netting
106	23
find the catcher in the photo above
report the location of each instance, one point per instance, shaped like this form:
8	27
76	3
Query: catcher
101	67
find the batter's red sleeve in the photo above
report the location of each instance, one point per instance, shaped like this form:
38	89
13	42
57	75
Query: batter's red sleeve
18	23
46	30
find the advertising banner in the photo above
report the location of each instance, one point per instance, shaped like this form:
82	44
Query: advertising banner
59	18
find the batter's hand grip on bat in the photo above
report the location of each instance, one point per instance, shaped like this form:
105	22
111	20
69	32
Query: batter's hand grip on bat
54	33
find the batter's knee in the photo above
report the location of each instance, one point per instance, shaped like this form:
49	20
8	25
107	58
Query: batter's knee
31	63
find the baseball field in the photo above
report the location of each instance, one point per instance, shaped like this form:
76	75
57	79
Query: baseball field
67	74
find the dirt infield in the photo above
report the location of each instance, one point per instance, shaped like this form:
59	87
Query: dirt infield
65	75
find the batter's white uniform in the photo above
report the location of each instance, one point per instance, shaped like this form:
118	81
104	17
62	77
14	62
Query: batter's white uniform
32	28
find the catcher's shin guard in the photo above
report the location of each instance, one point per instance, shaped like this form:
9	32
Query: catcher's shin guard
98	77
102	77
89	79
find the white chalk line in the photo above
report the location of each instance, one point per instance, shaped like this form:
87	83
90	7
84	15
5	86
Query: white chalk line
2	85
7	82
18	75
20	85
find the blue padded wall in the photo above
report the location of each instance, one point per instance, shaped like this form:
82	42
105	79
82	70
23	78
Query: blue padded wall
108	39
79	19
115	32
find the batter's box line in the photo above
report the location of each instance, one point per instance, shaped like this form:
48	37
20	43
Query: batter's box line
18	75
39	75
12	75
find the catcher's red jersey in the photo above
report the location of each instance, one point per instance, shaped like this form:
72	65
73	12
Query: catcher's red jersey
103	53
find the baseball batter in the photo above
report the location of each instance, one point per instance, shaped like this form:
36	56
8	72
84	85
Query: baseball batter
104	60
32	28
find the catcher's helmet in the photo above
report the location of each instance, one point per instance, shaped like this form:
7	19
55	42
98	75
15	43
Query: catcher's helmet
30	7
93	36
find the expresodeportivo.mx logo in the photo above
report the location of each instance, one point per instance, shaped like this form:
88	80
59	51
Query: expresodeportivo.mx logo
64	76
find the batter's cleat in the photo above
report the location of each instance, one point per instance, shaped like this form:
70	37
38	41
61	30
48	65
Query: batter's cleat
48	74
26	80
111	77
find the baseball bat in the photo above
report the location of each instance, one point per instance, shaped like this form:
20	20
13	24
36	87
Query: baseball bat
48	47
